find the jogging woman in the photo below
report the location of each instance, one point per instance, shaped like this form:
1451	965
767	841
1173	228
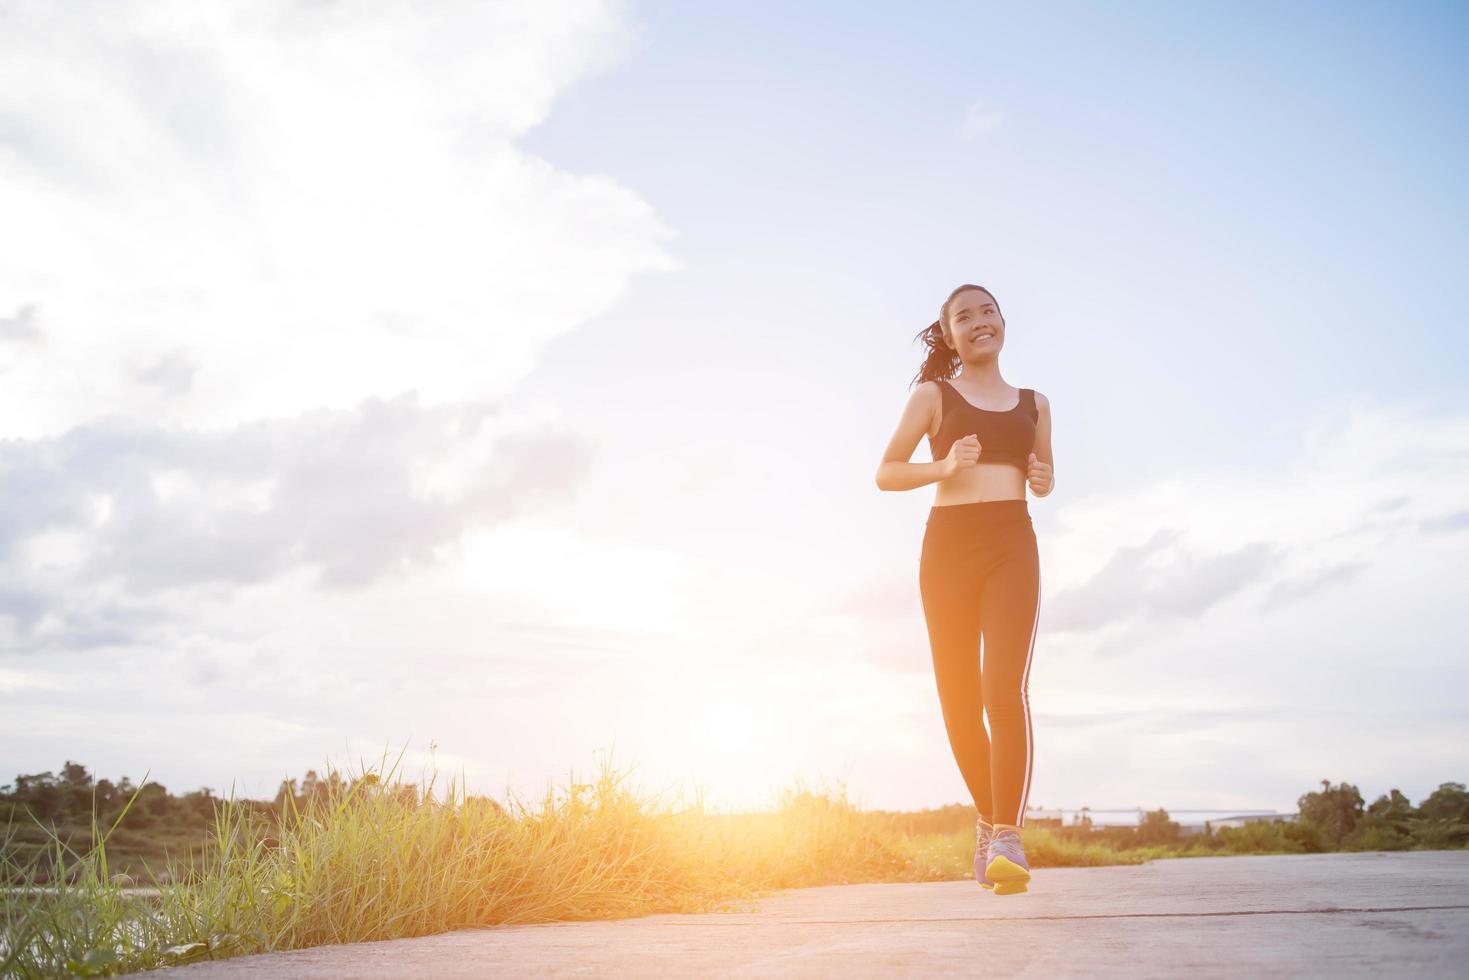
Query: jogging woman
979	569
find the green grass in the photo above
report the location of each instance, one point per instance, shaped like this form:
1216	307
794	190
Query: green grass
372	861
377	859
131	850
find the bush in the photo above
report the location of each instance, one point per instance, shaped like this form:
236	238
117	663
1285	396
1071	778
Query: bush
1272	837
1376	834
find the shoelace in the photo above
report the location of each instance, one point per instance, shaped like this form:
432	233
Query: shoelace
983	835
1008	838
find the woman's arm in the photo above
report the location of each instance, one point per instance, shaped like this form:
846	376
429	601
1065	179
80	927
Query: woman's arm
895	472
1041	473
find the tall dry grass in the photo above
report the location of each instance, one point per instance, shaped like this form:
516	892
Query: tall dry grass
373	858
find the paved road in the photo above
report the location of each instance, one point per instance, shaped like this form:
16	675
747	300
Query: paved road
1374	914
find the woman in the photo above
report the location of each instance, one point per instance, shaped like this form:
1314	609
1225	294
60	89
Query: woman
979	571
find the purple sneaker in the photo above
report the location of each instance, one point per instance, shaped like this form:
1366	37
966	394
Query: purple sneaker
983	832
1006	865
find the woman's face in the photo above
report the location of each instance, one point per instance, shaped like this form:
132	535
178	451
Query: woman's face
976	328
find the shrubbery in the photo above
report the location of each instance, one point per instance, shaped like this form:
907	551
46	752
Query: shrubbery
159	824
1391	823
372	857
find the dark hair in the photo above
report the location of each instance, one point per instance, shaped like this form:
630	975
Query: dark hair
942	360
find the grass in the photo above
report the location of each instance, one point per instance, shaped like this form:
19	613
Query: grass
373	859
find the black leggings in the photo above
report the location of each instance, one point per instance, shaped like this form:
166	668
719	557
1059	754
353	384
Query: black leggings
979	575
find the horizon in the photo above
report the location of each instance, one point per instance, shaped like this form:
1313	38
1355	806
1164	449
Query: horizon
124	783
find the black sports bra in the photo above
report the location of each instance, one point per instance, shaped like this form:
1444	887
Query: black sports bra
1004	437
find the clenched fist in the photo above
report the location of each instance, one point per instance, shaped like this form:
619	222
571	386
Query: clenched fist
1039	476
963	454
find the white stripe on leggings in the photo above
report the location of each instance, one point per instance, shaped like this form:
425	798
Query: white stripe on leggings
1025	702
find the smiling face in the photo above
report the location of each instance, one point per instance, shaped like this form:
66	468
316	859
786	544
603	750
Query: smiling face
976	329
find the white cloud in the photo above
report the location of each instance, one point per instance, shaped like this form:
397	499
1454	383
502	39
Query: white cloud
1227	637
227	211
562	576
978	121
12	680
1348	645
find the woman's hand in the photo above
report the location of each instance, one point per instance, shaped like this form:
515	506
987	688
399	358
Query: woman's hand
1040	477
963	454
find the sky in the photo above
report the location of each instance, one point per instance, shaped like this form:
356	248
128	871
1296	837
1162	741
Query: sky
502	386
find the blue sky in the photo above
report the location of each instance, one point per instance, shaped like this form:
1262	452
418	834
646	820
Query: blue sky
1217	203
514	379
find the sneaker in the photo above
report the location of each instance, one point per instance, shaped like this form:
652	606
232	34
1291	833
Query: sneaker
983	833
1005	863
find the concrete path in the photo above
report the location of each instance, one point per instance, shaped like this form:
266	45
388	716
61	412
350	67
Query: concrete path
1373	914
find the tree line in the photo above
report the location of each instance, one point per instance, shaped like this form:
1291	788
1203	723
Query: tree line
70	797
1335	817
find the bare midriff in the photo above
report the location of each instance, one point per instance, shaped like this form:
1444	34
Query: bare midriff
982	481
993	480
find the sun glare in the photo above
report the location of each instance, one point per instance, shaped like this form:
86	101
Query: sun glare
585	581
729	738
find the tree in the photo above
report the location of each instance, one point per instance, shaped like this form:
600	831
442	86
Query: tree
287	790
1443	818
40	792
75	774
1386	826
152	805
1335	810
1156	828
1449	802
199	803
